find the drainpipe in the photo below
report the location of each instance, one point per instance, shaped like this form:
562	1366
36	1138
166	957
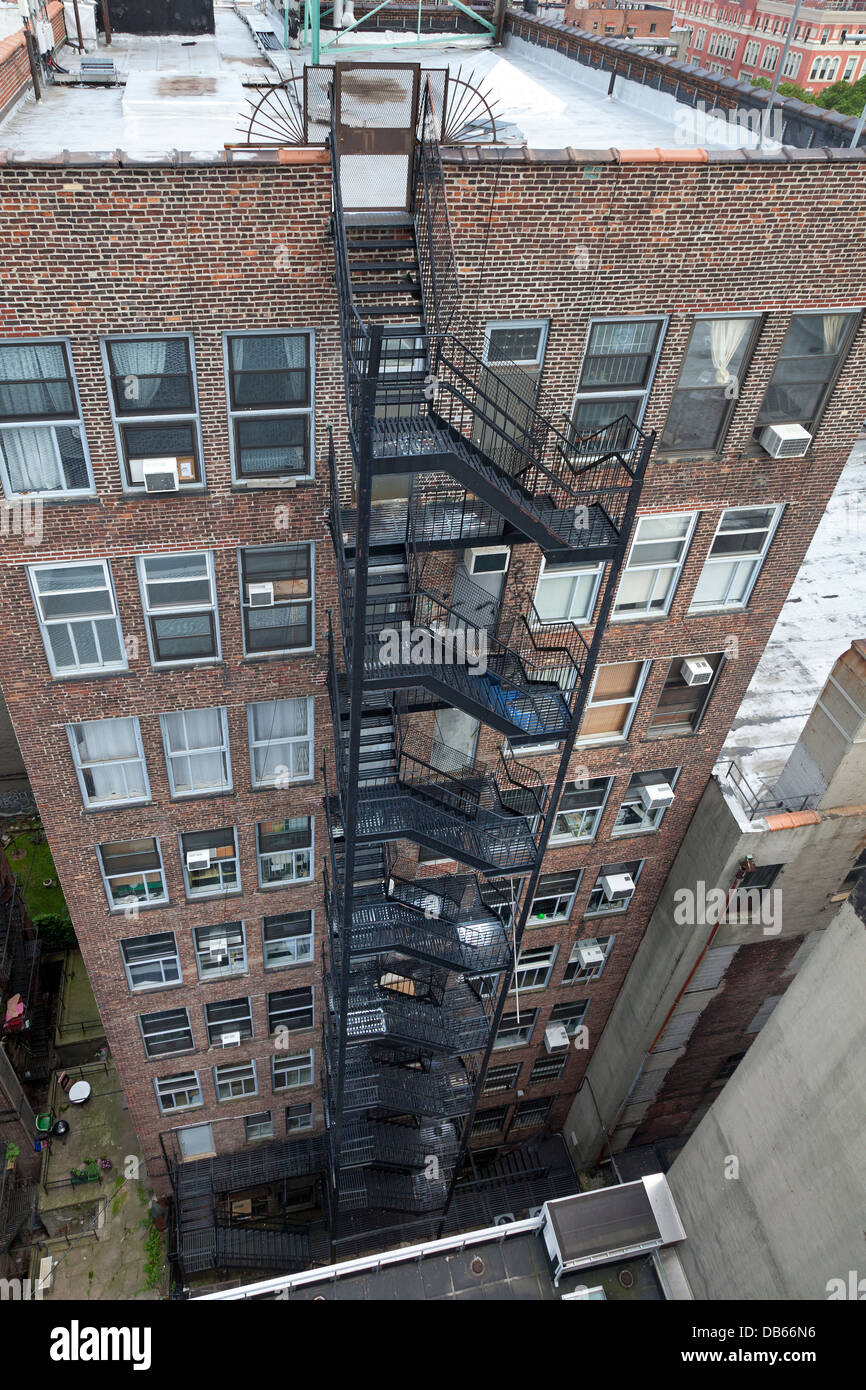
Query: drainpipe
741	870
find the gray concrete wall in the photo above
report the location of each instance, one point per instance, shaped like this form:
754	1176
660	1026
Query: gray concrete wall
793	1116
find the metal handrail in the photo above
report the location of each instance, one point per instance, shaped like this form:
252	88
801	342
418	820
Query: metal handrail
758	803
436	258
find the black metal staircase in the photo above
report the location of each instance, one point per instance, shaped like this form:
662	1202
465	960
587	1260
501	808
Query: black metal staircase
417	969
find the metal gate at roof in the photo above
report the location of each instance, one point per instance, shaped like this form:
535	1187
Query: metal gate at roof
377	114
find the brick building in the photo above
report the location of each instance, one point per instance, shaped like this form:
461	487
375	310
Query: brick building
173	710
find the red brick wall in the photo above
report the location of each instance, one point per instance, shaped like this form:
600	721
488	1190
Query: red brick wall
199	249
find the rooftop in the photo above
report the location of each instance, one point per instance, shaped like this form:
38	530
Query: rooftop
190	94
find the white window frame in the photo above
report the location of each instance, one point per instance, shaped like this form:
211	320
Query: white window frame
176	1052
288	603
530	365
188	753
45	624
268	854
281	1024
289	743
264	1124
235	1074
650	819
594	812
147	902
236	413
235	859
305	1121
82	766
524	1030
160	957
640	395
237	953
300	1064
289	964
584	975
617	906
52	423
540	969
736	562
118	419
187	1083
496	1088
589	740
575	572
574	1023
662	568
179	608
562	914
232	1025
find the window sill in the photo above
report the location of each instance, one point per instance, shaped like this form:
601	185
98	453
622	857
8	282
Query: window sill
186	665
154	989
270	484
218	977
182	1109
282	655
233	1100
708	612
634	834
117	806
91	675
182	797
142	907
170	1056
53	500
293	782
220	895
290	883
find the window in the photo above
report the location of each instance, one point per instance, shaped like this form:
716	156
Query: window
599	904
612	702
235	1081
299	1116
291	1009
763	877
77	614
109	761
580	808
287	939
534	968
791	65
750	53
575	973
218	873
132	872
852	878
196	1141
281	741
681	707
700	38
770	57
179	597
259	1126
501	1079
153	400
531	1113
554	897
197	751
166	1032
288	1072
567	593
715	364
520	345
285	623
547	1069
220	951
848	71
810	361
516	1030
270	395
728	1067
285	851
43	450
616	373
735	557
489	1121
824	70
633	818
151	961
228	1021
570	1015
654	565
182	1092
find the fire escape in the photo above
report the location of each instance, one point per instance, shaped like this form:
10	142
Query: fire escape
417	969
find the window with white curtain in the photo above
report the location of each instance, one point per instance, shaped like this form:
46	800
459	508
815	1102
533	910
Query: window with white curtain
43	450
655	562
808	366
154	405
109	760
709	384
197	751
179	596
78	617
736	555
281	741
270	394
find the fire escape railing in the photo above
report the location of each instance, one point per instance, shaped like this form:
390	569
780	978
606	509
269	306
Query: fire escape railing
439	284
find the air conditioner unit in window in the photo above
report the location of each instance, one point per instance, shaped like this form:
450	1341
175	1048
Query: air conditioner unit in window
230	1040
785	441
617	886
556	1037
260	595
696	671
198	859
487	559
657	796
161	475
590	954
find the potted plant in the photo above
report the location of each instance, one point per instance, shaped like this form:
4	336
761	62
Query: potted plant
12	1152
105	1163
91	1169
78	1176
